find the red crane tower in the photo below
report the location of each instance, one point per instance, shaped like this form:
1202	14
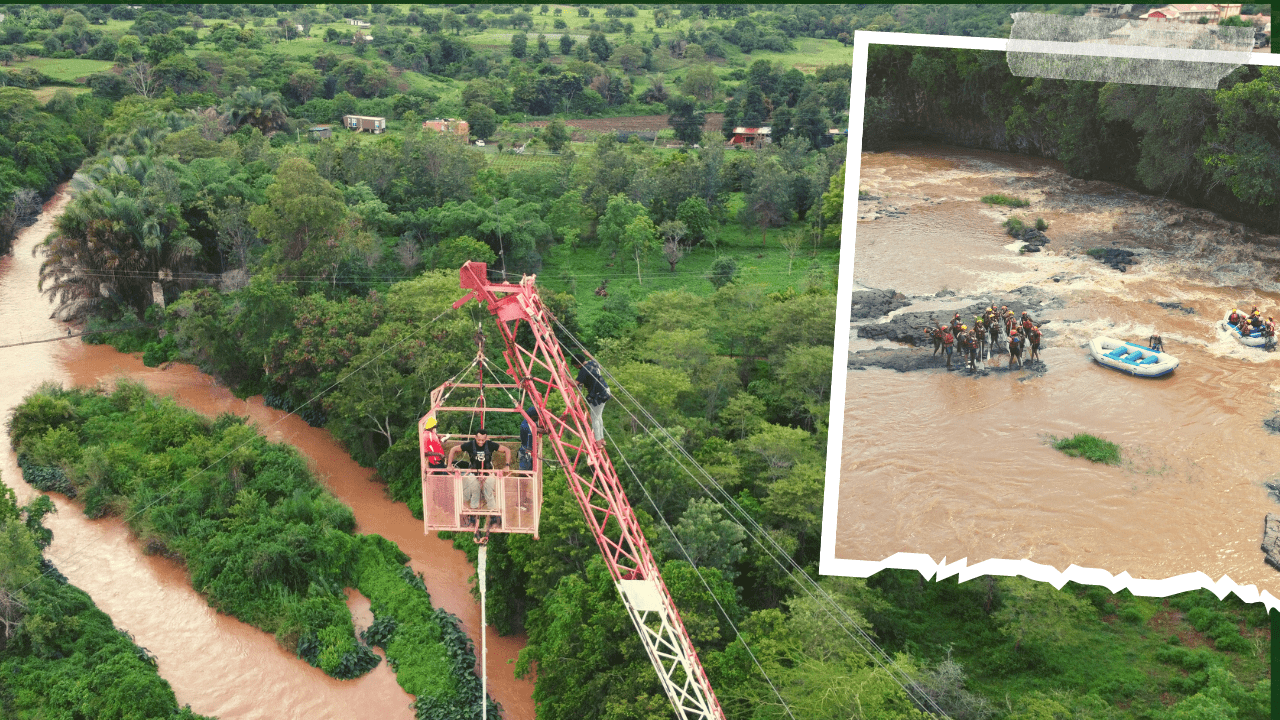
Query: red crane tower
513	498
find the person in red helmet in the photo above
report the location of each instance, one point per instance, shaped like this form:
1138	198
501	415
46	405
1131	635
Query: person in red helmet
1015	348
948	344
1033	339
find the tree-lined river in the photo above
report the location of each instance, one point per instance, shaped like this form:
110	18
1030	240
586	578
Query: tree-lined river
217	664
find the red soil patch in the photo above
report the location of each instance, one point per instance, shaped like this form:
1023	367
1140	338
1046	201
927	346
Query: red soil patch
630	123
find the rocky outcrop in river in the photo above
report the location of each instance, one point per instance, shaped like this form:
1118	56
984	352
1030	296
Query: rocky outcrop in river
909	327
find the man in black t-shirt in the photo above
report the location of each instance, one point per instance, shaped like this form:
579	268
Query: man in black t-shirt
481	450
590	378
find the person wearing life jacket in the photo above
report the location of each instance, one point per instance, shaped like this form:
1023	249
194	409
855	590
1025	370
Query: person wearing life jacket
1015	348
948	344
1156	343
1255	319
1234	318
993	327
935	336
1269	333
432	448
973	349
1033	338
1026	325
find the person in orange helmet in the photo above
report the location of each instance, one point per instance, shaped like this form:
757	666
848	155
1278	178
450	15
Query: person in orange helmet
1015	348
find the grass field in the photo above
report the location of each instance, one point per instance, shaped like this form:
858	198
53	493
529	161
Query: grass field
66	70
580	271
45	93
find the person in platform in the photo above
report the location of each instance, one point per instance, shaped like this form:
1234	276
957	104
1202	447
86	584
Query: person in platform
481	450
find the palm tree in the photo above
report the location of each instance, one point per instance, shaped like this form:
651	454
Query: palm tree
264	111
107	250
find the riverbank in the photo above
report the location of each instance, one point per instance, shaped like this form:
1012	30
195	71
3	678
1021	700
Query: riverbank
946	251
216	664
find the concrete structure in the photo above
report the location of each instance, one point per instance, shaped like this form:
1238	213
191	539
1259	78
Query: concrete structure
321	132
457	128
357	23
362	123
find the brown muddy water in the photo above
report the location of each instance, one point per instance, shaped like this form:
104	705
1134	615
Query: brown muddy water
958	466
215	663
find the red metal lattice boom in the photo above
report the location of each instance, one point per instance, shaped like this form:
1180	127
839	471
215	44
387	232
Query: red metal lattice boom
541	371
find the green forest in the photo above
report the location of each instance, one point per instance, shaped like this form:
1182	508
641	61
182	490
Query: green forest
1218	149
209	225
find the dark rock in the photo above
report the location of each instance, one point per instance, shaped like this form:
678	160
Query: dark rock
1177	306
900	359
1033	238
909	327
1273	489
945	293
1271	540
913	359
869	304
1117	258
1273	423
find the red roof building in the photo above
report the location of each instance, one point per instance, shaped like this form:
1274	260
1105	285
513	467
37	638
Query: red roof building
754	137
460	128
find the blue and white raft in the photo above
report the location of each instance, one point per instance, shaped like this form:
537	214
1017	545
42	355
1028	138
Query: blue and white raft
1253	339
1130	358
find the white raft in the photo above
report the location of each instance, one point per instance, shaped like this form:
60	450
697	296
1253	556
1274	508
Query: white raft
1254	339
1130	358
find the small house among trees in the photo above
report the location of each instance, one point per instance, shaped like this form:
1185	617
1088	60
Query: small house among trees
321	132
459	128
750	136
362	123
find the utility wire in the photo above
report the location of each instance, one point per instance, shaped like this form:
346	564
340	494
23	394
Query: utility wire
812	589
683	551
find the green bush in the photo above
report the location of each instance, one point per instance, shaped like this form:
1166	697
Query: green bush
1013	226
1202	618
1088	446
1133	615
1041	225
1005	200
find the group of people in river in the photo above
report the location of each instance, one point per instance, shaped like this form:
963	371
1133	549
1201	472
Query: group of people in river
991	332
1252	323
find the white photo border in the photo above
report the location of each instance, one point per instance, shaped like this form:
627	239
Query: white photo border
828	563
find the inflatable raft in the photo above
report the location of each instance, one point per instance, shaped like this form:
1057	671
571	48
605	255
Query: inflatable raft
1253	339
1130	358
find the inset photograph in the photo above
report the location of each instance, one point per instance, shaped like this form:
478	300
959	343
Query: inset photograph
1062	323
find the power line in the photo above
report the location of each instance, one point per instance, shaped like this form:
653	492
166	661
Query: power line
813	590
683	551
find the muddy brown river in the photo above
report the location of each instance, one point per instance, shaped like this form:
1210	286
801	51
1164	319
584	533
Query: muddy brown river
217	664
959	466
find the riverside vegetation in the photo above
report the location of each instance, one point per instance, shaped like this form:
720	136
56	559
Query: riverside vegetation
59	655
288	265
258	535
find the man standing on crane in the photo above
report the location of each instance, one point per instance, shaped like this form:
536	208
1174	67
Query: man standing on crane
589	376
481	450
525	454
